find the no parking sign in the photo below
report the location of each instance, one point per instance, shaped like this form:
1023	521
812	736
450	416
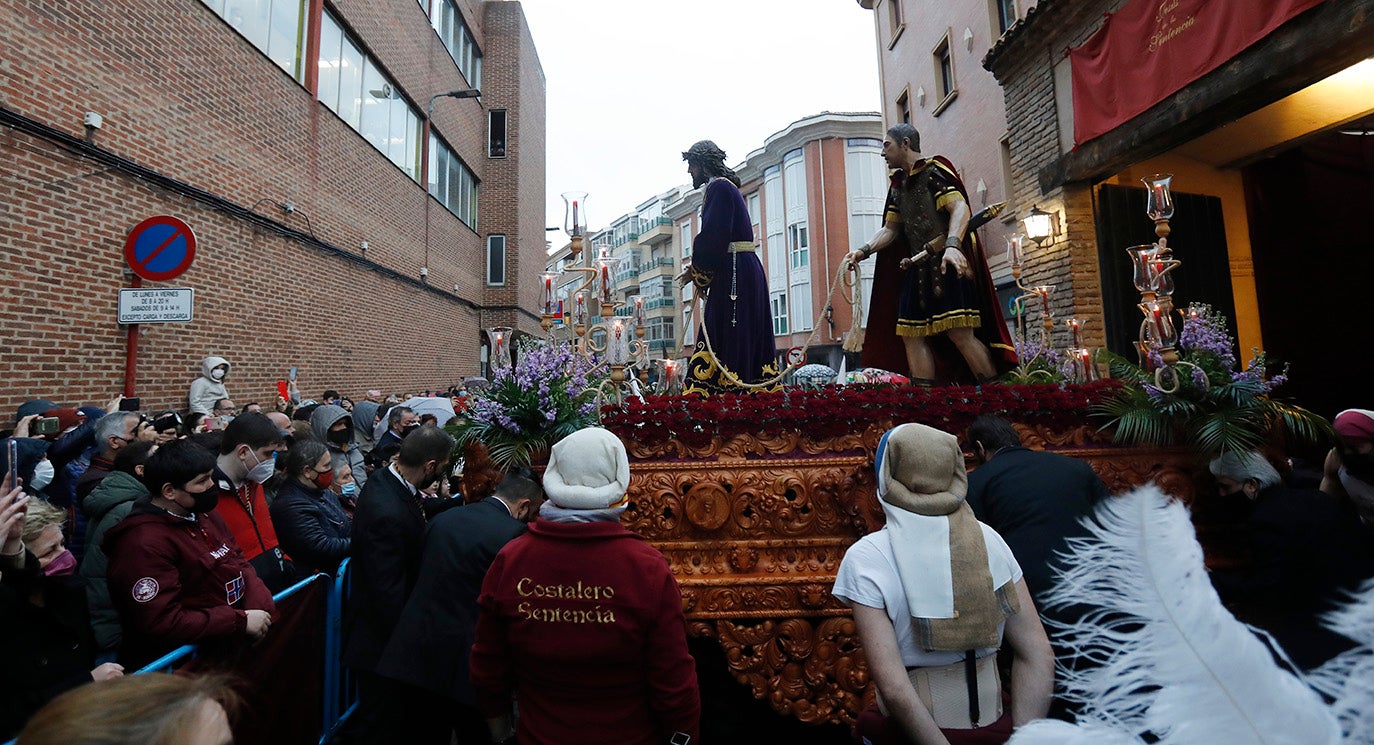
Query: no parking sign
160	248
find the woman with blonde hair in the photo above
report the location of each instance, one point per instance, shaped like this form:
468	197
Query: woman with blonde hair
148	709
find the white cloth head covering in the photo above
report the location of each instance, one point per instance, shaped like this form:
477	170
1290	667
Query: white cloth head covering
588	470
937	543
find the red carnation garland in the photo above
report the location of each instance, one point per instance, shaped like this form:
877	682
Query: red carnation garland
838	410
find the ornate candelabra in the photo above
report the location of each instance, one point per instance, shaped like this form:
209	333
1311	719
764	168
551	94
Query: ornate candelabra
623	349
1016	257
1081	366
1152	265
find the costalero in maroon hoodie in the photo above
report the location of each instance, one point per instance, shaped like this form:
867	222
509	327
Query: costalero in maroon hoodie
178	580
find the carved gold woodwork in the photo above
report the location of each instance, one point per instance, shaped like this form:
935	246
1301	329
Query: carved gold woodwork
755	527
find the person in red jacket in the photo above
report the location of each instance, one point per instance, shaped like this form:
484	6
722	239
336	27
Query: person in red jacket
176	576
247	459
581	620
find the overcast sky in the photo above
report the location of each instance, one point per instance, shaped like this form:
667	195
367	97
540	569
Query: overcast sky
633	83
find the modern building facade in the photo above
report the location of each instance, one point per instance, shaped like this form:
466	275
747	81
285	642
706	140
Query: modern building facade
815	190
359	211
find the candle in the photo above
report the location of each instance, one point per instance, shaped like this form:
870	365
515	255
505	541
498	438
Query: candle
576	229
1086	365
1074	323
639	310
1014	251
618	345
548	294
1044	292
1161	324
580	309
605	281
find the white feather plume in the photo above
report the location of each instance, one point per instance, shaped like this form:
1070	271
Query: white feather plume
1165	657
1348	679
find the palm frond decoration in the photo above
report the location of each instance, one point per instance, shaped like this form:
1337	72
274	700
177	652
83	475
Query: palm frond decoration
1216	406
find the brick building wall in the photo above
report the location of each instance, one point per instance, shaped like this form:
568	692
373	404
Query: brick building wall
518	87
1030	70
226	137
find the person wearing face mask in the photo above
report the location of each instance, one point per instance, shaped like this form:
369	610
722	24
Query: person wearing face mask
400	421
345	489
1302	551
1348	473
176	575
388	536
429	650
209	388
247	460
314	529
105	506
45	636
333	426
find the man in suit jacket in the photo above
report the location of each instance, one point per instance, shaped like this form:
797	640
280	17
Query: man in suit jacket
1036	501
430	647
388	536
1032	498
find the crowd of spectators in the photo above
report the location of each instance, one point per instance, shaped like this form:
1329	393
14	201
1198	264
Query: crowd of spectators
127	533
502	609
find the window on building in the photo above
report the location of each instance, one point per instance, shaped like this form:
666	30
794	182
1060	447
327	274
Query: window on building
904	107
496	133
800	246
800	295
275	27
778	302
1005	13
754	209
451	182
685	231
944	74
496	259
361	94
457	39
895	21
775	244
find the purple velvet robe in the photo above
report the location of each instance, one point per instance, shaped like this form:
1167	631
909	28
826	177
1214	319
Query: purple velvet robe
741	329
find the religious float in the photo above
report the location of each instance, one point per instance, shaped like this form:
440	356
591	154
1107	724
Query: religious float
754	499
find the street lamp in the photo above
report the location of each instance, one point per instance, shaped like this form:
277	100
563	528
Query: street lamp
1039	226
464	93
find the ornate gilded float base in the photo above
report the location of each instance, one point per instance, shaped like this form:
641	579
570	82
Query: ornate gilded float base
755	527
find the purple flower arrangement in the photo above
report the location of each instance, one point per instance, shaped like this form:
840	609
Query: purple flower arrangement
549	393
1211	405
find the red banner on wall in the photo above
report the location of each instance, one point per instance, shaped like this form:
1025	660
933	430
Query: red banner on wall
1150	49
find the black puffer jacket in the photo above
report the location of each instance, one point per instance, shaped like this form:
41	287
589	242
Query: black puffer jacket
312	528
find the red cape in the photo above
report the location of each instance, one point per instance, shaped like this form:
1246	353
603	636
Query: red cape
884	349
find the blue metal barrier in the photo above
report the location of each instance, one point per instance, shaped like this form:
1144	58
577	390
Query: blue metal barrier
172	658
334	674
335	685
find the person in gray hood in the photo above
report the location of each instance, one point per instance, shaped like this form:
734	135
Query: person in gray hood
209	387
333	426
364	419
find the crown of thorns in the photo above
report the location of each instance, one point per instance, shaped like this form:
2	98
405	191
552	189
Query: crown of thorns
704	150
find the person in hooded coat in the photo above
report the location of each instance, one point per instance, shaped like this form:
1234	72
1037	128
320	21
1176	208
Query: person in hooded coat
108	503
343	450
364	420
209	387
